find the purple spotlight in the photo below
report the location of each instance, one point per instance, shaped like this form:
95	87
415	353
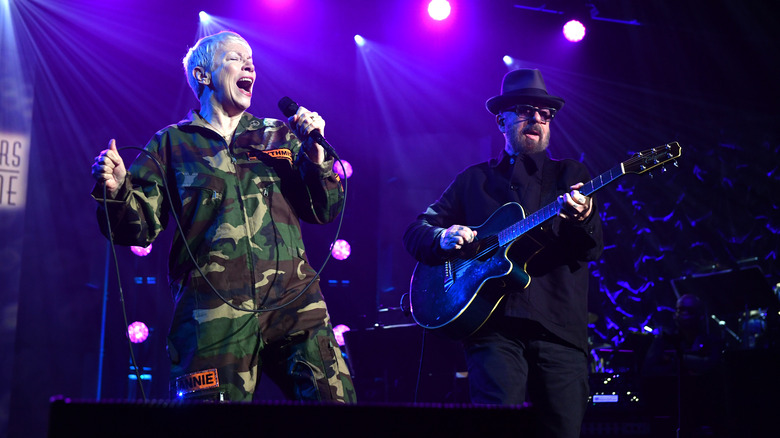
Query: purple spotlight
341	250
137	332
344	172
277	4
339	331
140	251
574	31
439	9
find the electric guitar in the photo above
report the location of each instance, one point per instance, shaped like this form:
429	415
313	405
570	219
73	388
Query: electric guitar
458	296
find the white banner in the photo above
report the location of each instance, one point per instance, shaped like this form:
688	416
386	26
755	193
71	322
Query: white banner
14	150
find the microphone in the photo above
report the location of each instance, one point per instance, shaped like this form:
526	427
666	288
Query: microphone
289	108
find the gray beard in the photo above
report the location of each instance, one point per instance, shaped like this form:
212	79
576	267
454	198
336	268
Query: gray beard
522	144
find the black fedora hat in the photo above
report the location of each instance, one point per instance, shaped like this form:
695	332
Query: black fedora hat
524	85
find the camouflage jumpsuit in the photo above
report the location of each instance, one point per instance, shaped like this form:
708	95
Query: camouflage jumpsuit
240	205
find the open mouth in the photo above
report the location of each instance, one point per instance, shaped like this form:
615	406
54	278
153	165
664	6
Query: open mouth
245	84
532	132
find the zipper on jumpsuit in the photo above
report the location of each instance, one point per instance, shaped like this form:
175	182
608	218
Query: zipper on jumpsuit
247	226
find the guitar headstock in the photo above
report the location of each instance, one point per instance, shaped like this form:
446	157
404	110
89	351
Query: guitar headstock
646	160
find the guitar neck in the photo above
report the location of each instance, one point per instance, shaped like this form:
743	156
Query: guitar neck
519	228
602	180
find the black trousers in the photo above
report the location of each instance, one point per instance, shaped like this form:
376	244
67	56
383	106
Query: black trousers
513	361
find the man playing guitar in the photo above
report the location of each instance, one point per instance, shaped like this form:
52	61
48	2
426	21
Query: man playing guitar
531	345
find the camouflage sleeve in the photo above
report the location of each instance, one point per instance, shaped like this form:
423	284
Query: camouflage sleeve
139	212
325	191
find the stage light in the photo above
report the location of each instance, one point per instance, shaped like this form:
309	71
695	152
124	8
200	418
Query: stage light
204	17
341	250
277	4
146	376
137	332
439	9
574	31
140	251
339	331
343	169
508	60
360	41
147	280
210	24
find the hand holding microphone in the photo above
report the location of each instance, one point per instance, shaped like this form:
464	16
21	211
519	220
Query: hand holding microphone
307	124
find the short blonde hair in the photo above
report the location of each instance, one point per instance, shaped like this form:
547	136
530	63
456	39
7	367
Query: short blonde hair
202	55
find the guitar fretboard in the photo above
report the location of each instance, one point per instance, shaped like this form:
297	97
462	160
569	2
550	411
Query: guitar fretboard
523	226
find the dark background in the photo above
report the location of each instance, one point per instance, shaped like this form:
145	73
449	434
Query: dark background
407	111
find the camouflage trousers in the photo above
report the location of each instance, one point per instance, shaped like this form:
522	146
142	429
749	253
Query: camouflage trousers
219	353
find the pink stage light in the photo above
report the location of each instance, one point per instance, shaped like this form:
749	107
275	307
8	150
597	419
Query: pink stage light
339	331
141	251
574	31
137	332
345	172
439	9
341	250
276	5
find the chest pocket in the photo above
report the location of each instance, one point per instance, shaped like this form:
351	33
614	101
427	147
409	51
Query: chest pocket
202	197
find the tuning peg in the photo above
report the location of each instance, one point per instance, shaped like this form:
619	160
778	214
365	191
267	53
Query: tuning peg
676	164
663	169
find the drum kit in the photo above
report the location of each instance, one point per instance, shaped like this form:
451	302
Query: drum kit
754	328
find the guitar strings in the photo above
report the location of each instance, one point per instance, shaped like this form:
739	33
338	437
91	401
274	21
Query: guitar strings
460	264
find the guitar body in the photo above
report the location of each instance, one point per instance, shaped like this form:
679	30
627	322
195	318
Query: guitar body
457	297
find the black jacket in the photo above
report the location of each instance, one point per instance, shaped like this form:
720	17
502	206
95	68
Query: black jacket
557	294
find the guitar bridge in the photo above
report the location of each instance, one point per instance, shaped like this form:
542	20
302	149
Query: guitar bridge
448	277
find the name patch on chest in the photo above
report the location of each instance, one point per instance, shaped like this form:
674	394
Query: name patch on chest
285	154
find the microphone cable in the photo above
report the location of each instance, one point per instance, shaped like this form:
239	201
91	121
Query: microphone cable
420	365
121	294
406	309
